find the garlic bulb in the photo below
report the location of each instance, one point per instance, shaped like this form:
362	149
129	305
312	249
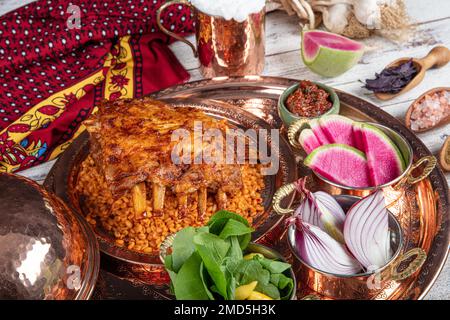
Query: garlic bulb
368	12
335	18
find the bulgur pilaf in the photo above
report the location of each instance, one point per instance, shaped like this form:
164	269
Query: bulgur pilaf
146	234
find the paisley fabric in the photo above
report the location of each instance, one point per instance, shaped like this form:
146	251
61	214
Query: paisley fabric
59	58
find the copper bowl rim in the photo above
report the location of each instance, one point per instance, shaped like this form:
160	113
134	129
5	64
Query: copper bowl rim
396	254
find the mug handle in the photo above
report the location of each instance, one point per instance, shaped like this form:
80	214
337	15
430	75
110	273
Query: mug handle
294	130
279	195
169	33
415	265
430	161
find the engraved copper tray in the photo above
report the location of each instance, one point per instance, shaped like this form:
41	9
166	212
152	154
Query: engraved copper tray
424	212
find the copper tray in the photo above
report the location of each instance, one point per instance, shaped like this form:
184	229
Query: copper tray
425	211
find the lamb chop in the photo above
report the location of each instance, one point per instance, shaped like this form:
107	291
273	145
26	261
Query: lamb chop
131	143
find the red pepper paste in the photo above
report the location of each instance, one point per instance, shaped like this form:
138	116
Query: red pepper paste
308	100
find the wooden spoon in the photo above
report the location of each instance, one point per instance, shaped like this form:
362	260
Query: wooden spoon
413	105
436	58
445	155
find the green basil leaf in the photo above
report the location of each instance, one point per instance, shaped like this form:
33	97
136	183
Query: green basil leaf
189	284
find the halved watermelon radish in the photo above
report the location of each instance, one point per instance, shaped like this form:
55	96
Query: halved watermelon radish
308	140
338	129
341	164
329	54
384	159
320	135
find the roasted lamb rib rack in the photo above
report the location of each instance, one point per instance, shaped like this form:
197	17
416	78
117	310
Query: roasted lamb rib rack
131	143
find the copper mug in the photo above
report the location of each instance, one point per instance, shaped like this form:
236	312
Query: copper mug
225	47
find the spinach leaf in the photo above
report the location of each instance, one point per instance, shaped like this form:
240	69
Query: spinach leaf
213	251
236	228
169	267
251	270
220	218
284	284
272	265
205	279
268	289
183	246
234	255
231	287
189	284
219	221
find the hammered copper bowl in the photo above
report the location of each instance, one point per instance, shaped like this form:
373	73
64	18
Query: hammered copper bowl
46	251
393	190
364	285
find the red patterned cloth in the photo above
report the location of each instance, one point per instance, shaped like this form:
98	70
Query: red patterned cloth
52	74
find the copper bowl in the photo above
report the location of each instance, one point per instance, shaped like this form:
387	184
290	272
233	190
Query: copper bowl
47	252
166	248
363	285
392	190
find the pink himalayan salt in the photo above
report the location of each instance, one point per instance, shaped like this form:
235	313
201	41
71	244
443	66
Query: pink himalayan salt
430	110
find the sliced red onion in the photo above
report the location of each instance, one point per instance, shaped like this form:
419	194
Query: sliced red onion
322	210
321	251
366	231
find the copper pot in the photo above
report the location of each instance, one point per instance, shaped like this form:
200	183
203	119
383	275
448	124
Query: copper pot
393	190
364	285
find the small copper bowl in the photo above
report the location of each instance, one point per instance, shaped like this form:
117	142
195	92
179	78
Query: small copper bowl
392	190
166	248
364	285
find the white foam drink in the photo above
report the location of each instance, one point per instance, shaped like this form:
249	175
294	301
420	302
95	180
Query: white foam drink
238	10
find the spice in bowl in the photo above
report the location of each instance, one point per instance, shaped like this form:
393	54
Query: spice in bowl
392	79
308	100
430	111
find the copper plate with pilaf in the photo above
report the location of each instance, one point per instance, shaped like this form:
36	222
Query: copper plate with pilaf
136	239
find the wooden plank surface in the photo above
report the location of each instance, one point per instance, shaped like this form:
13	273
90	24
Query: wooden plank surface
432	19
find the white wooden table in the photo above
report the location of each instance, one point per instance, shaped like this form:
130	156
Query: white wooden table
432	18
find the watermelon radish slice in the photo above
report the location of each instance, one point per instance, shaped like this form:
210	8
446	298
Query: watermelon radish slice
338	129
384	159
320	135
308	140
329	54
341	164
